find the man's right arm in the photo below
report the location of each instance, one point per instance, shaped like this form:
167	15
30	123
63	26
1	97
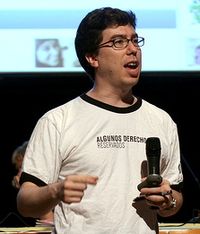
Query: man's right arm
34	201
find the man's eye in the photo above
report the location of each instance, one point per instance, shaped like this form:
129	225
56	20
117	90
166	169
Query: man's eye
119	41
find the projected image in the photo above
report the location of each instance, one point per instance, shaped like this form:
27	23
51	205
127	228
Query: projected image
55	53
49	53
37	37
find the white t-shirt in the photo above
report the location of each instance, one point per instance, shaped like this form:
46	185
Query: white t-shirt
85	136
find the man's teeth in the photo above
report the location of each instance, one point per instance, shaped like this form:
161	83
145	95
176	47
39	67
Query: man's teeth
131	65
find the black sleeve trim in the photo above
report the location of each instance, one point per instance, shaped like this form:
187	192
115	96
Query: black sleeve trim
25	177
177	187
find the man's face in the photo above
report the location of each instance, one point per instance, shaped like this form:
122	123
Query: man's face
122	66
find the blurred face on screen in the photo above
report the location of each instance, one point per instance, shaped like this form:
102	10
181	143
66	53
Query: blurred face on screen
49	54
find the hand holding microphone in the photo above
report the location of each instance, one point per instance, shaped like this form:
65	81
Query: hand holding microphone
153	150
162	199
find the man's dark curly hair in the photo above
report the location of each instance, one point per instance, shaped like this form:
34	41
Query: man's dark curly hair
89	32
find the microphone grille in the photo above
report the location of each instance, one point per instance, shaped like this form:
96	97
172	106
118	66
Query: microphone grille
152	145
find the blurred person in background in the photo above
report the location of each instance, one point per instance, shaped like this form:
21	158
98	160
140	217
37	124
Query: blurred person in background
17	160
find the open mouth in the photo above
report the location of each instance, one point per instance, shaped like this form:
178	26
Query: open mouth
131	65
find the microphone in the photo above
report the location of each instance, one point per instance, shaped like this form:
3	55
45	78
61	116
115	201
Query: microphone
153	150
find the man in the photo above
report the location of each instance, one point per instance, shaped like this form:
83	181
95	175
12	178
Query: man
86	157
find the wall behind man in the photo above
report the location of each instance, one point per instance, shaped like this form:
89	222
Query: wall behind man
25	97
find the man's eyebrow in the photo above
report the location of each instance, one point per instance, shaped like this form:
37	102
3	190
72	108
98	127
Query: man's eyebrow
123	36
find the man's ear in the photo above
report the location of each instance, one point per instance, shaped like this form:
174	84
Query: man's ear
92	60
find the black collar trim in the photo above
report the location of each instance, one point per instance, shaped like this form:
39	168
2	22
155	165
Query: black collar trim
115	109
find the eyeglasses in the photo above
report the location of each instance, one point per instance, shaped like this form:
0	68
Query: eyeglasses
122	43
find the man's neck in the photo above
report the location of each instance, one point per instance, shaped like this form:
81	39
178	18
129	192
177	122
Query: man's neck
112	98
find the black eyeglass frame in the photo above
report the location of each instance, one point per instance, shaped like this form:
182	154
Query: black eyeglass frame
134	40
